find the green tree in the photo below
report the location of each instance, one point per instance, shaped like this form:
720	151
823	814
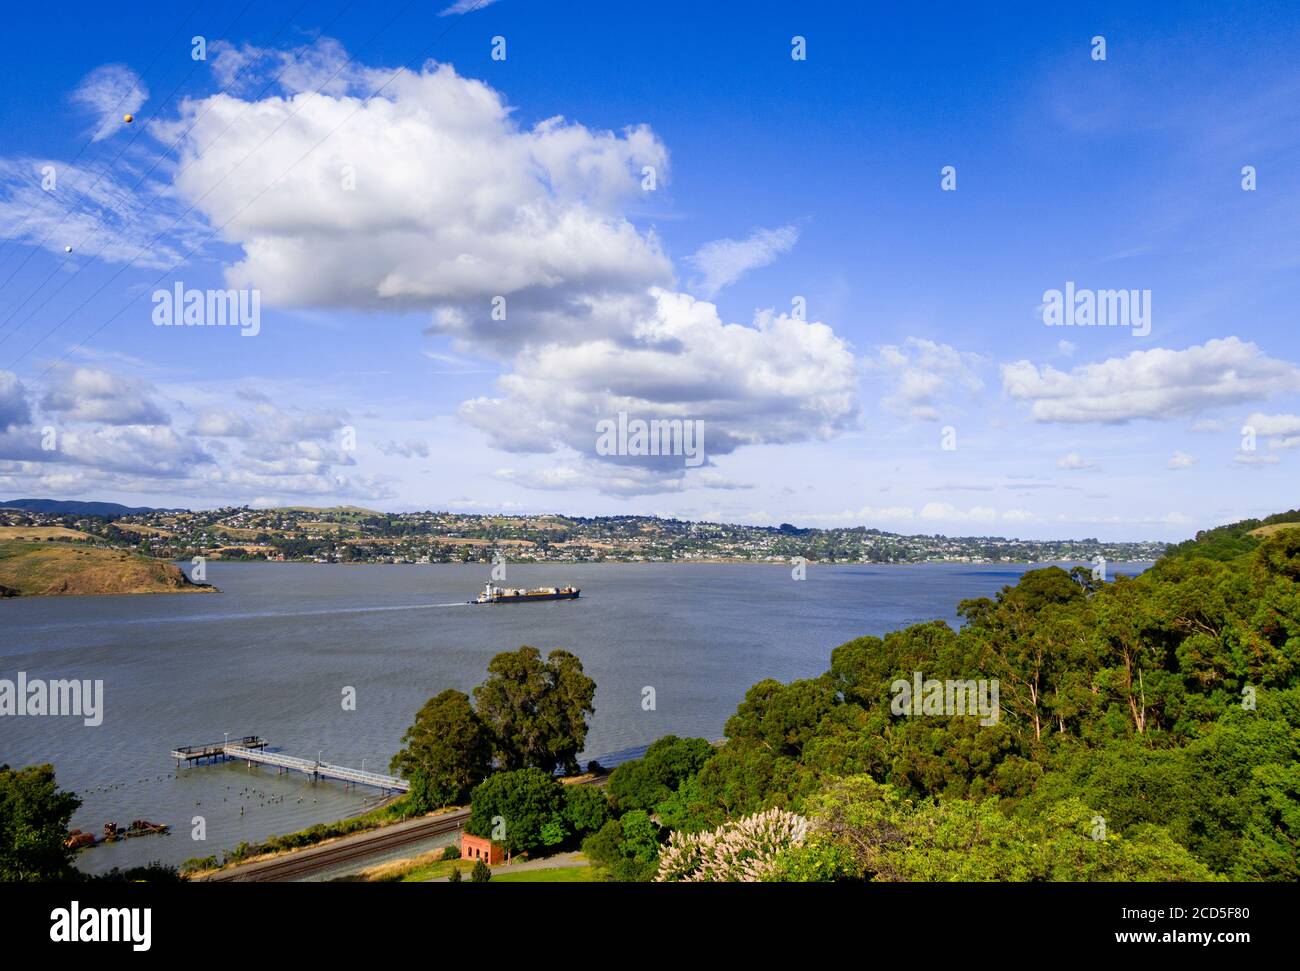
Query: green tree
626	849
782	717
585	808
445	753
864	830
744	777
1017	645
524	803
645	782
1167	704
864	670
604	847
536	710
34	817
481	873
1229	795
677	759
761	766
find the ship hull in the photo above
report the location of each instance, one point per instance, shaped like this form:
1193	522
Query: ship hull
530	598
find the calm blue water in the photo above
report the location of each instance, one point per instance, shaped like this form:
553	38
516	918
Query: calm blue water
272	653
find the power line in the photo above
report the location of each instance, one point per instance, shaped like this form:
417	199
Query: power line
86	197
91	138
141	211
396	74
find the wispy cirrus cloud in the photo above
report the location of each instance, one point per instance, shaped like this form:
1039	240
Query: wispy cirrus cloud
115	216
930	512
107	93
724	261
1073	462
465	6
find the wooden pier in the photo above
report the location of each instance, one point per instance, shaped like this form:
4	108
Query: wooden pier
252	749
215	751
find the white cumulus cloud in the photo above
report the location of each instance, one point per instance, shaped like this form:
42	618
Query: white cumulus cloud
1156	384
431	194
97	395
1280	426
780	380
516	242
14	409
924	376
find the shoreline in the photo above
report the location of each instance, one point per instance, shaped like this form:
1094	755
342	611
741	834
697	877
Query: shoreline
718	561
191	587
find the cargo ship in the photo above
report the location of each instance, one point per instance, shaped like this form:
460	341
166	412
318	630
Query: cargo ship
508	595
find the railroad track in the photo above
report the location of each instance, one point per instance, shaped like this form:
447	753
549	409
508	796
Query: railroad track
302	863
306	862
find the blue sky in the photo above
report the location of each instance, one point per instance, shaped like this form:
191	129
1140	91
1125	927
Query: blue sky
377	212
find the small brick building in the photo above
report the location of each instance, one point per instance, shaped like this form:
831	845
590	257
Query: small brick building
478	848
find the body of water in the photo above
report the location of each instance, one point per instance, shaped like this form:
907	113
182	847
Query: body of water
274	651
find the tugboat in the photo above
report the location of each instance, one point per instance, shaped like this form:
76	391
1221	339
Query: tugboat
507	595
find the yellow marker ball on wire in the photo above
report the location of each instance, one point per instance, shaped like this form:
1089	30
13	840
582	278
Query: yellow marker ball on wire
128	118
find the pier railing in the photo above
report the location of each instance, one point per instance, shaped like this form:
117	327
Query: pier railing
322	769
252	749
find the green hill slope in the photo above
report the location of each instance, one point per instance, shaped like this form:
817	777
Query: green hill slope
1225	543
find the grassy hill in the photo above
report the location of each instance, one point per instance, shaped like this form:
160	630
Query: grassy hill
52	569
1272	528
345	512
34	534
1224	543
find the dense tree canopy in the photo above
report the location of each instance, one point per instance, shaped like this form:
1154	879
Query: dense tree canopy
445	753
585	808
34	817
863	830
645	782
529	713
528	808
626	849
1149	728
516	808
536	710
1231	541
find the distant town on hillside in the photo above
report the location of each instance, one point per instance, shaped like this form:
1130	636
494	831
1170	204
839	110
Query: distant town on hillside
349	534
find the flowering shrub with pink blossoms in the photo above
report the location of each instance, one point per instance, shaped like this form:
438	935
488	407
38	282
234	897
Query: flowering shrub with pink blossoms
738	851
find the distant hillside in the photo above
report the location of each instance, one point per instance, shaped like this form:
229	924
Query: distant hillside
33	534
51	569
62	507
1225	543
332	510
